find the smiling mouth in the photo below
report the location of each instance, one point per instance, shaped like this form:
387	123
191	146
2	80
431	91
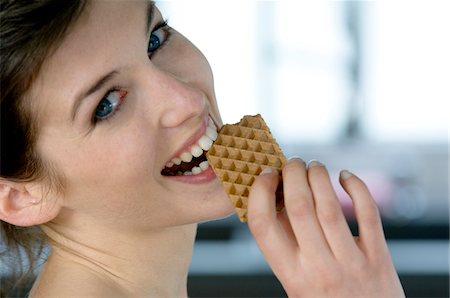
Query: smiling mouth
193	161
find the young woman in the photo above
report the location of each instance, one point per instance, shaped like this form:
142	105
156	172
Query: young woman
97	97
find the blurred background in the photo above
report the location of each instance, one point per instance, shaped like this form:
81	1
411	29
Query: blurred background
357	85
361	85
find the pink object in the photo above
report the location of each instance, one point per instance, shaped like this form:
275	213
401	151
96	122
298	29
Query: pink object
381	187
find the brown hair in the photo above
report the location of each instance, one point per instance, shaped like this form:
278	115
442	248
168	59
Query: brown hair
30	30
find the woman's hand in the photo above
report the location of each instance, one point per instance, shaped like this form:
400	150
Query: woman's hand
310	246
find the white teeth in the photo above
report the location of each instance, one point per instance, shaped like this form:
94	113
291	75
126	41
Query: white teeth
211	133
186	156
205	143
196	151
204	165
196	170
176	161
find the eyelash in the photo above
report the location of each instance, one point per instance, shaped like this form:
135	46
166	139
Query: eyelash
167	32
123	94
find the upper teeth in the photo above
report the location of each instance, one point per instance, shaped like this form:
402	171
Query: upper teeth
203	144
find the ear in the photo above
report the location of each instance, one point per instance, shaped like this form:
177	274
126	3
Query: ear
23	204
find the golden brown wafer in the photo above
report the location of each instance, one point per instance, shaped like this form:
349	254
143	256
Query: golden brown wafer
239	154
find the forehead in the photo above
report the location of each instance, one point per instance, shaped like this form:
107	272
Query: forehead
107	36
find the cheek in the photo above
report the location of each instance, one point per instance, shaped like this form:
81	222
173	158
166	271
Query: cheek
103	164
118	165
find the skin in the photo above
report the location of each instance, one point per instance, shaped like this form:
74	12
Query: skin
120	228
309	245
142	215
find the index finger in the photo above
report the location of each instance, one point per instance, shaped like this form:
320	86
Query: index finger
276	246
300	207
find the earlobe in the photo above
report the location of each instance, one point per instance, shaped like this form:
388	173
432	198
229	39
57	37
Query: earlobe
21	207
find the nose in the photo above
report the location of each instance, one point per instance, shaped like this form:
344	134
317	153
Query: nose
178	100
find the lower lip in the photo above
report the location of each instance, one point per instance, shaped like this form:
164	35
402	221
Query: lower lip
204	177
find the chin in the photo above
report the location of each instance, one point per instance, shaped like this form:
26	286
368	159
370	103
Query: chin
221	214
204	216
218	208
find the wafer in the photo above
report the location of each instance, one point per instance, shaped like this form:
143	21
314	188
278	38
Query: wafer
239	154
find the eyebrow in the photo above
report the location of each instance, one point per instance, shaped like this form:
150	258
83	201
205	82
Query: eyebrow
102	81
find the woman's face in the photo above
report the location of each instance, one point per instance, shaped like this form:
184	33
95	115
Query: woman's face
121	98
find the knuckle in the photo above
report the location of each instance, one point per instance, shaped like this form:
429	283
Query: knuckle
299	206
373	208
257	223
329	215
372	214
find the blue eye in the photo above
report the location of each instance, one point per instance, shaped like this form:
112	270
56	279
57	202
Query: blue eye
109	104
154	43
157	38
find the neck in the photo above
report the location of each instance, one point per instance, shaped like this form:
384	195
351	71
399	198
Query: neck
154	263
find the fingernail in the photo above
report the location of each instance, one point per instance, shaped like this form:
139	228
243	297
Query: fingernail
314	163
266	170
297	159
345	174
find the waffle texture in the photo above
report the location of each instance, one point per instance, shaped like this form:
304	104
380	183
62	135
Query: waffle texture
239	154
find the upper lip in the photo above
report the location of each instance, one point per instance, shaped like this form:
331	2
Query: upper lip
192	139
